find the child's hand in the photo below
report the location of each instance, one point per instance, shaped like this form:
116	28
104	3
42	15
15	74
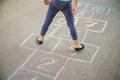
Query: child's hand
73	10
46	2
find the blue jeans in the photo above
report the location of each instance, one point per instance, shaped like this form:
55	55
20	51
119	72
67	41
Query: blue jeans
65	7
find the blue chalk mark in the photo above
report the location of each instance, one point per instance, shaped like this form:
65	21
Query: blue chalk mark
46	75
97	8
35	78
109	10
14	73
79	4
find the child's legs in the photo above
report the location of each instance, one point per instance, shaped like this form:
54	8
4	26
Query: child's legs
49	17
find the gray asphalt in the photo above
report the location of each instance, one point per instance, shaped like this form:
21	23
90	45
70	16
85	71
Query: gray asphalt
97	24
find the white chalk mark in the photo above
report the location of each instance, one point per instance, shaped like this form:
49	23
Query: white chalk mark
53	31
56	45
73	54
61	21
104	26
76	20
26	40
91	24
86	32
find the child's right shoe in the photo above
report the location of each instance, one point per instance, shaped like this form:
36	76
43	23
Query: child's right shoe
38	41
78	49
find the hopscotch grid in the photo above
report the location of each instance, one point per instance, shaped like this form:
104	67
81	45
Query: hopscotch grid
76	19
80	60
51	52
98	48
90	18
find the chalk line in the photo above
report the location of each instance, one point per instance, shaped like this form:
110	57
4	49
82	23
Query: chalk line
26	39
56	45
61	69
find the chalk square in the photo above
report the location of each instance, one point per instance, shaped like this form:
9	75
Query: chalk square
30	43
64	33
45	63
93	25
85	55
26	74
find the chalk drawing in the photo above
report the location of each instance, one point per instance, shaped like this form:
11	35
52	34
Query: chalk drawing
99	9
89	22
42	66
59	40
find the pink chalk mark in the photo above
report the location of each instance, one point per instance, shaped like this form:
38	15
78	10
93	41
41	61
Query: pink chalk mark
38	67
29	58
81	13
41	66
61	69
